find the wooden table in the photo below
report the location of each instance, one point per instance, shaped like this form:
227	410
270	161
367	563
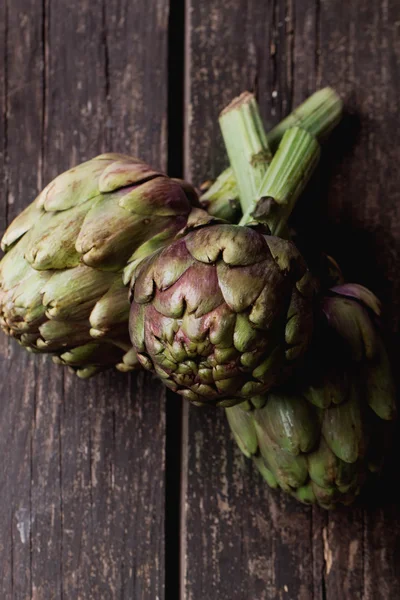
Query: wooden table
107	489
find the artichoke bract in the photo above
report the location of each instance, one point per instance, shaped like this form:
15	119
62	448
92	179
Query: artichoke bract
61	286
320	435
223	313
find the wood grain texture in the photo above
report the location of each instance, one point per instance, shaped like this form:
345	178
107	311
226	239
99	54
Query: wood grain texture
22	123
241	540
364	217
82	463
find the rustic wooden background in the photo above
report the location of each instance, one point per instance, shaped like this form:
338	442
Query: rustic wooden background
107	488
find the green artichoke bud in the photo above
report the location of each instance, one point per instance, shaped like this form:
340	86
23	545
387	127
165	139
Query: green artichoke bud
61	287
222	314
320	435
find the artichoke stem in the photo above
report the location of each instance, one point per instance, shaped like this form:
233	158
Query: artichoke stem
221	199
288	174
268	189
247	146
318	115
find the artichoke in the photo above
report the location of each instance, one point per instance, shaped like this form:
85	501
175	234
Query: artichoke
61	286
320	435
223	313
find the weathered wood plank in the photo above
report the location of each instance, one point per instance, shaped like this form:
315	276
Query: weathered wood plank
3	104
82	475
240	539
21	127
360	53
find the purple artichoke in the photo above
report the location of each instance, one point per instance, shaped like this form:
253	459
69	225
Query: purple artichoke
222	314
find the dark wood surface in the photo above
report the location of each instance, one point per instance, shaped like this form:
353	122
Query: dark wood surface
81	463
83	492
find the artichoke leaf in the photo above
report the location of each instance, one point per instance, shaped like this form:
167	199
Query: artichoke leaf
380	388
343	427
73	187
124	171
360	293
53	237
352	322
71	294
290	422
159	197
21	225
110	310
110	246
243	429
289	470
235	245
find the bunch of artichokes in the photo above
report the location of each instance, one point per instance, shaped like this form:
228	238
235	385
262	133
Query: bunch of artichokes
224	314
71	253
